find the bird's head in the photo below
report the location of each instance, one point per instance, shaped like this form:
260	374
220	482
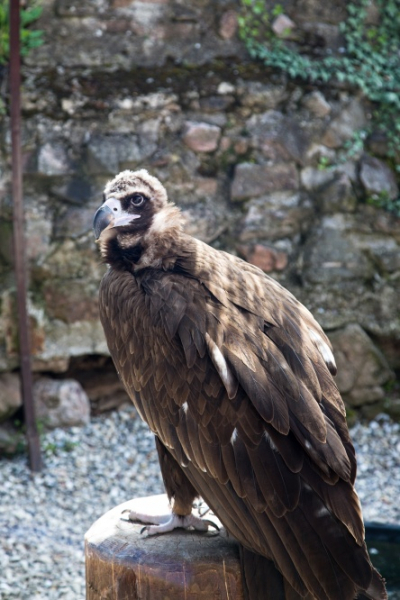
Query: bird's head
134	219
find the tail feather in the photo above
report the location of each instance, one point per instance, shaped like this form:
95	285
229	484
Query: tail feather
376	589
263	581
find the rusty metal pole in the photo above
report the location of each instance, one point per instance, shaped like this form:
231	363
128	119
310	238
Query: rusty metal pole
32	436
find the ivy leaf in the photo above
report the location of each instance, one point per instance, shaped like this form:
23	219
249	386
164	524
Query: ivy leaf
30	15
277	10
391	97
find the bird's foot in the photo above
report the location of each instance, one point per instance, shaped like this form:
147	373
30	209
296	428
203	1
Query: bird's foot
165	523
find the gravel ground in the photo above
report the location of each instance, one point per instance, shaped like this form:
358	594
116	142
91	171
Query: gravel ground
88	471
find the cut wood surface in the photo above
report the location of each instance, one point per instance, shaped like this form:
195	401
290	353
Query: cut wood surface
123	564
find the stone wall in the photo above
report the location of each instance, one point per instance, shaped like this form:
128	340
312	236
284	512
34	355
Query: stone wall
168	86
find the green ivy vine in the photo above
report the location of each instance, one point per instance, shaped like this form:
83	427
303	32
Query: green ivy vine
370	62
30	38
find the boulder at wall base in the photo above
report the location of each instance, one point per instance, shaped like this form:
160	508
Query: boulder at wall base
10	395
60	403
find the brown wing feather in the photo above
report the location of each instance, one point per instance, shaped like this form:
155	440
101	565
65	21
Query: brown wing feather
234	384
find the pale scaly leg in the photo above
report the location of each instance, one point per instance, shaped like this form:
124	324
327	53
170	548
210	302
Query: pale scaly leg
157	524
181	494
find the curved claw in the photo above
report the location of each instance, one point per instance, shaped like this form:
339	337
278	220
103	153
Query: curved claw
126	510
211	524
123	518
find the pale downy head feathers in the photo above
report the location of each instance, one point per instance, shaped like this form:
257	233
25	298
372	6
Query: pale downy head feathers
129	182
142	219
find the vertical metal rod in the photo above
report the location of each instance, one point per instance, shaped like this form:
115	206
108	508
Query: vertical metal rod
32	436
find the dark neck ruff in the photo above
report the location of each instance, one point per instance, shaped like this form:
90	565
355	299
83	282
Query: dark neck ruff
123	259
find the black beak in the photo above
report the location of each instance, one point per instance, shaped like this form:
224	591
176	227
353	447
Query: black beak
102	218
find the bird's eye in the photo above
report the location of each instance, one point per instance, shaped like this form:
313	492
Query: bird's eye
137	200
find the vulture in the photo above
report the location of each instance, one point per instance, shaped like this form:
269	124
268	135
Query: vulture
234	377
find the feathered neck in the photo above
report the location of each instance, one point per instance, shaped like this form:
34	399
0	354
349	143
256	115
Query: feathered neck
154	248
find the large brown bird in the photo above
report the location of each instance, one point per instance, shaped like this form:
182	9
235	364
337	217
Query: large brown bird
234	377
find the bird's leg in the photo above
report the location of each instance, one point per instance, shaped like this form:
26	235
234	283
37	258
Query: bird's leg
180	492
157	524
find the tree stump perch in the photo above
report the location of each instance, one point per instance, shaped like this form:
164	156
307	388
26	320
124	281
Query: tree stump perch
122	564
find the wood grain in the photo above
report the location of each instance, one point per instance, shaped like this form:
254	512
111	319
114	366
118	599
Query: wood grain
122	564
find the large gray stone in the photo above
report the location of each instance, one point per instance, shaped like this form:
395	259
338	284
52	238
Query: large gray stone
58	341
312	178
258	95
111	152
372	303
377	178
60	403
278	137
253	180
323	35
331	256
106	152
362	368
276	216
337	195
383	250
75	190
53	159
315	10
10	395
350	119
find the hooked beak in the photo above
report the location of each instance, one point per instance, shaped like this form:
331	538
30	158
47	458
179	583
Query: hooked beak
102	219
110	214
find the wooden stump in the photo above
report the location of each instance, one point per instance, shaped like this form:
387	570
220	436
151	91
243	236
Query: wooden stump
122	564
